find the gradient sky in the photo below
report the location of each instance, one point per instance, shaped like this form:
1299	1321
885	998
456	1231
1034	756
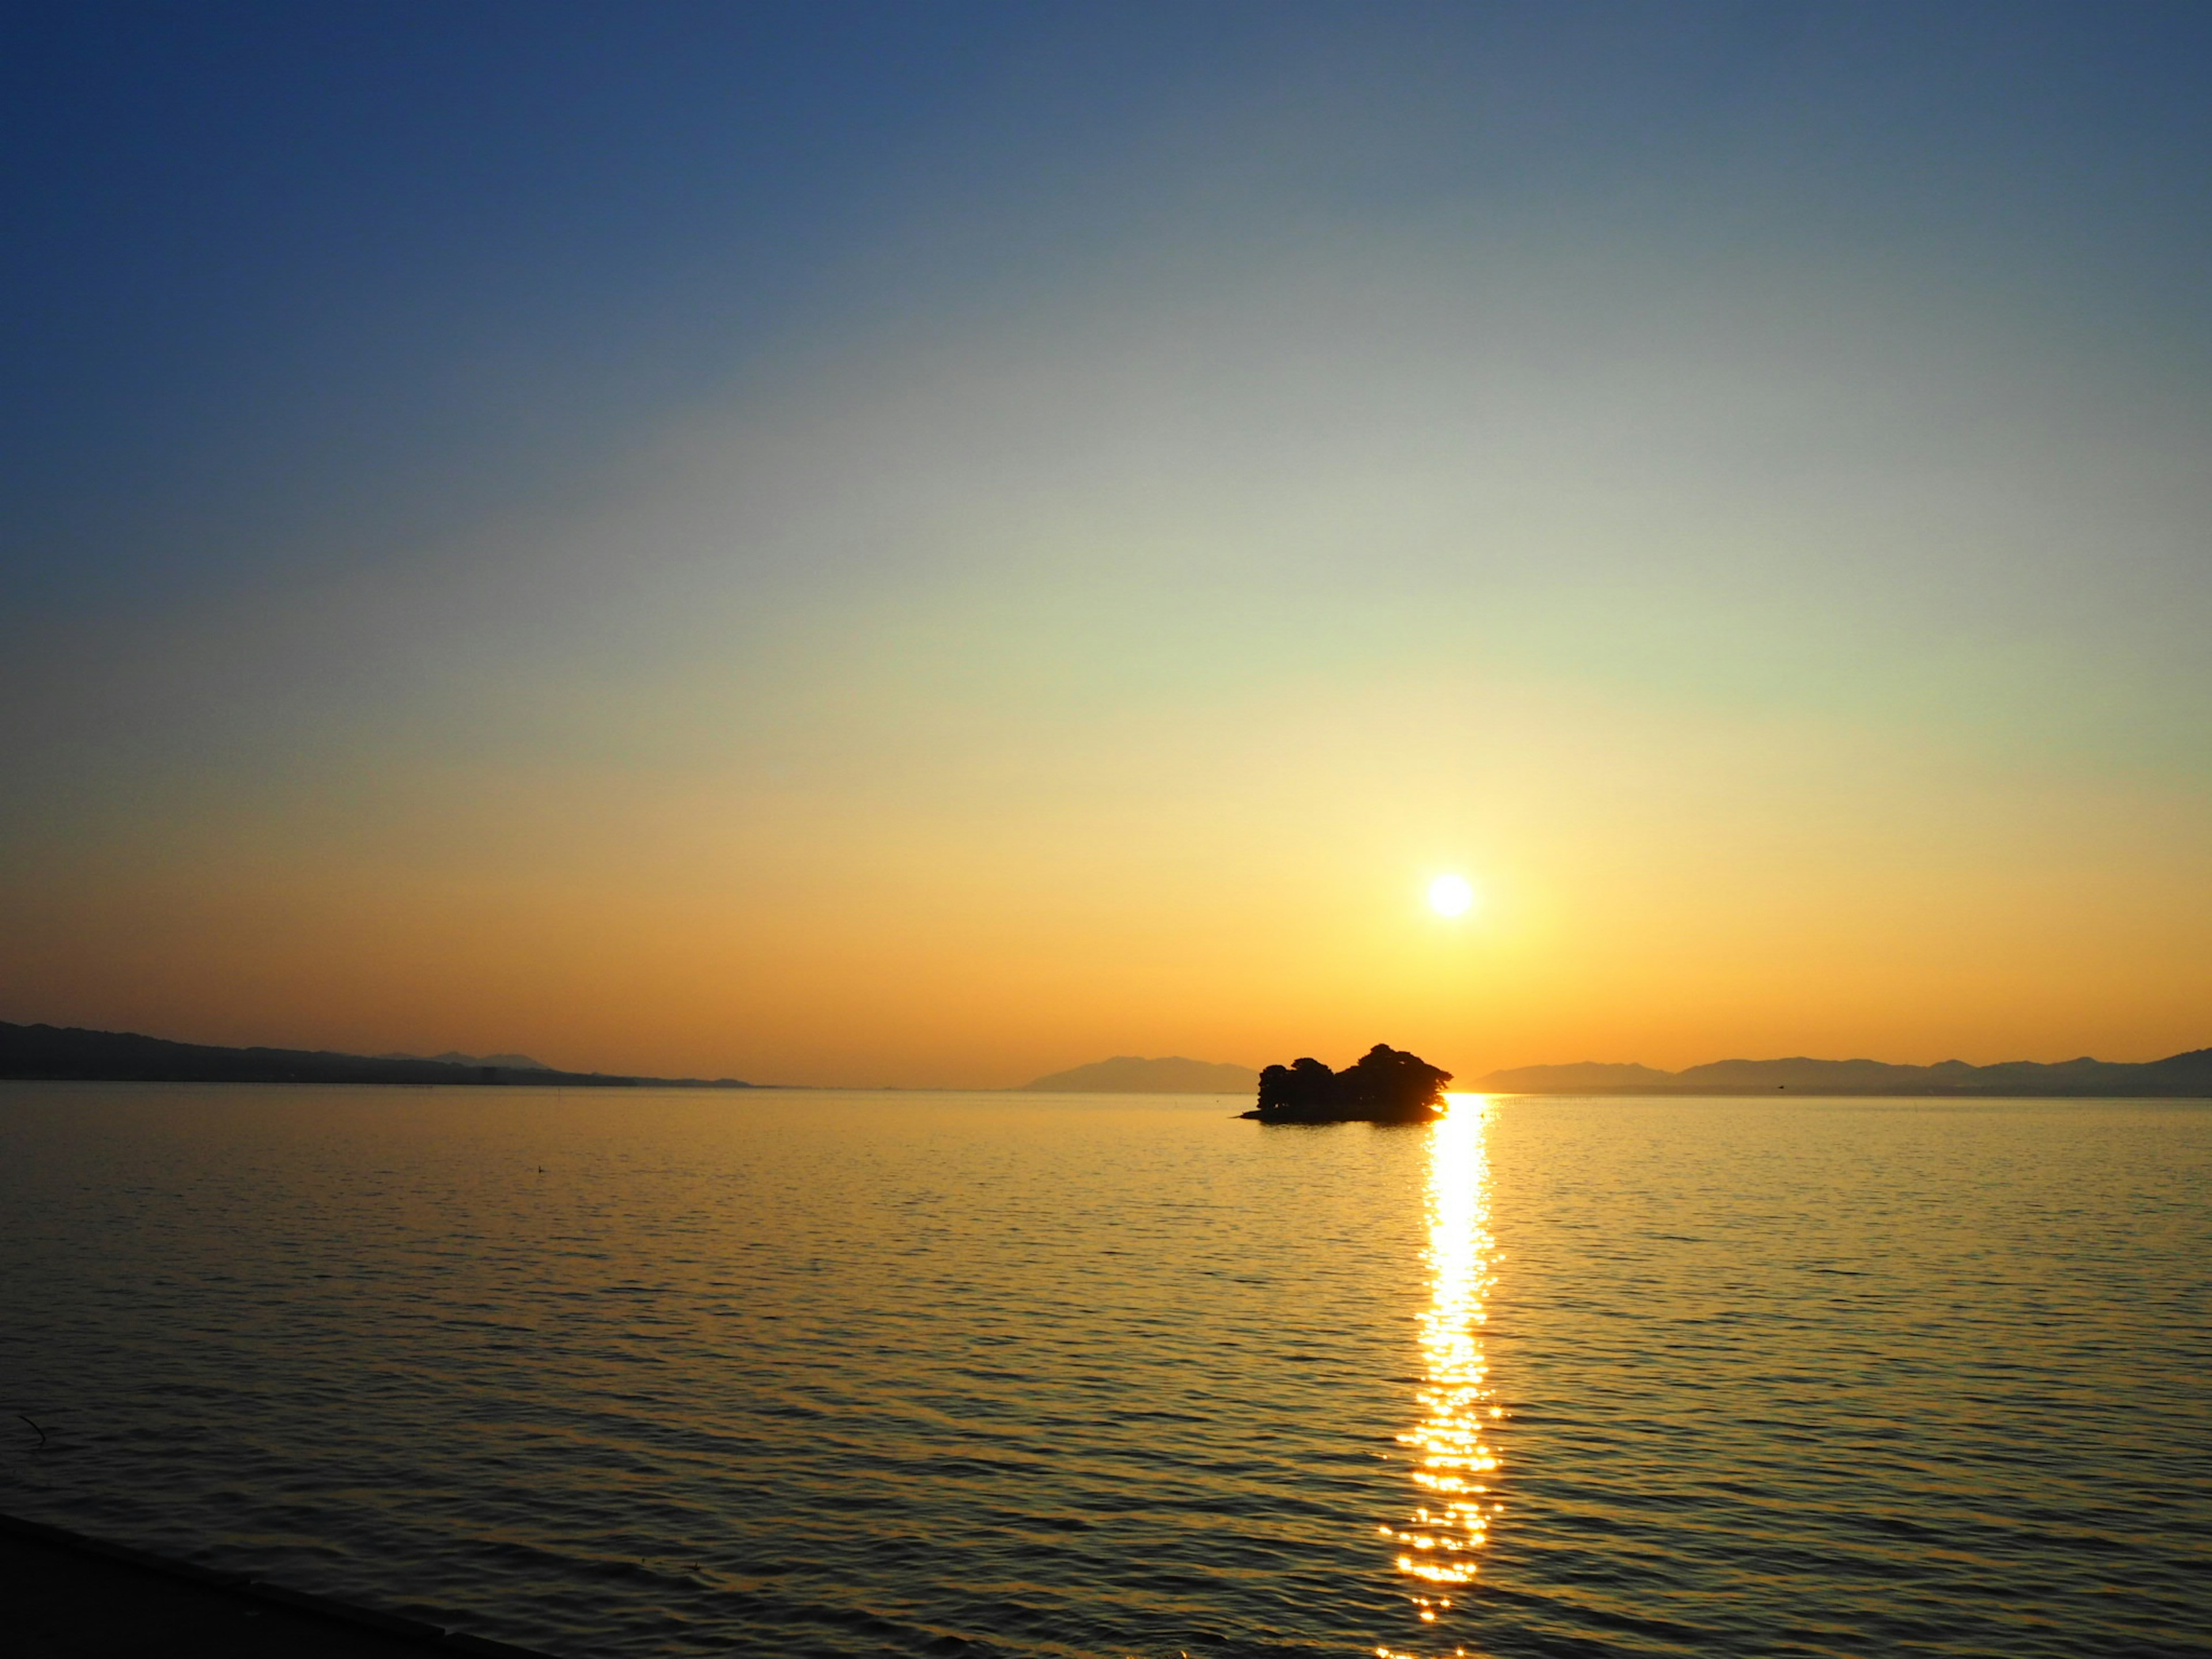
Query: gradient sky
924	545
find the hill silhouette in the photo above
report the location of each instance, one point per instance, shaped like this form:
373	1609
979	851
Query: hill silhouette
455	1057
66	1053
2184	1075
1129	1074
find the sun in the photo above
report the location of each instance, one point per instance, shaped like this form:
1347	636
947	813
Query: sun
1451	896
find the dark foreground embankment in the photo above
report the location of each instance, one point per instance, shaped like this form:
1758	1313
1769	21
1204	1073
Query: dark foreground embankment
67	1597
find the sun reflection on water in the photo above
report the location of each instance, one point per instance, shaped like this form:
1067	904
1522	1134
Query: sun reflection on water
1454	1469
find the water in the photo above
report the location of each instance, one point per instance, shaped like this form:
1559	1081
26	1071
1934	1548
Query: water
626	1373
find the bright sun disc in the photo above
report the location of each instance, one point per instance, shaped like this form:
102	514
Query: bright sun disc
1451	896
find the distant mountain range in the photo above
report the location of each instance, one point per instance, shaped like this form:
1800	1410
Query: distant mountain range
65	1052
1127	1074
61	1053
455	1057
2183	1075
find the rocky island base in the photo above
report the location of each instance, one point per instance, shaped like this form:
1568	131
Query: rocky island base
1386	1086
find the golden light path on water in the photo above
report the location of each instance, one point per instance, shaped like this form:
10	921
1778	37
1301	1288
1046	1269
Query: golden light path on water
1454	1469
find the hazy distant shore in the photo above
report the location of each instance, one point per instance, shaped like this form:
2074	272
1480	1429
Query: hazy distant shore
1131	1074
66	1053
60	1054
2183	1076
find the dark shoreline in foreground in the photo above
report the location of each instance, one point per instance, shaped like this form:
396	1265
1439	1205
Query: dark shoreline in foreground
72	1597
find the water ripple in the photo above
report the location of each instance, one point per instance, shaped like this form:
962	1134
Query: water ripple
861	1375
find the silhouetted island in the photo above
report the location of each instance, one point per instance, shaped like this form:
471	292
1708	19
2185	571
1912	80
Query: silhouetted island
1387	1085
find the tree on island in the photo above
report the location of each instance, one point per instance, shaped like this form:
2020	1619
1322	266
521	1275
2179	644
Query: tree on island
1388	1086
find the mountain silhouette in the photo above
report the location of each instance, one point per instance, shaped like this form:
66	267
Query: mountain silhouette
455	1057
63	1053
1128	1075
2184	1075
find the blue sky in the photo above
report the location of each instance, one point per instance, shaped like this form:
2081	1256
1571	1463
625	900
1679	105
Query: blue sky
407	259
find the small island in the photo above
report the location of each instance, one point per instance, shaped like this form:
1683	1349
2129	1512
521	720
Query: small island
1387	1085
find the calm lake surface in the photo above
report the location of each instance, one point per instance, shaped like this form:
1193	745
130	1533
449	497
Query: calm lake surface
629	1373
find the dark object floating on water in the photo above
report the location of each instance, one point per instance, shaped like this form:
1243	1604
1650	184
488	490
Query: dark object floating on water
1388	1086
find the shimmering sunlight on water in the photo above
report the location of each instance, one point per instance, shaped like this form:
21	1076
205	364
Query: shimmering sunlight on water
668	1376
1455	1473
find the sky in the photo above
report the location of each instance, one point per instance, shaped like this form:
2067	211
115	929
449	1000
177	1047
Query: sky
884	545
